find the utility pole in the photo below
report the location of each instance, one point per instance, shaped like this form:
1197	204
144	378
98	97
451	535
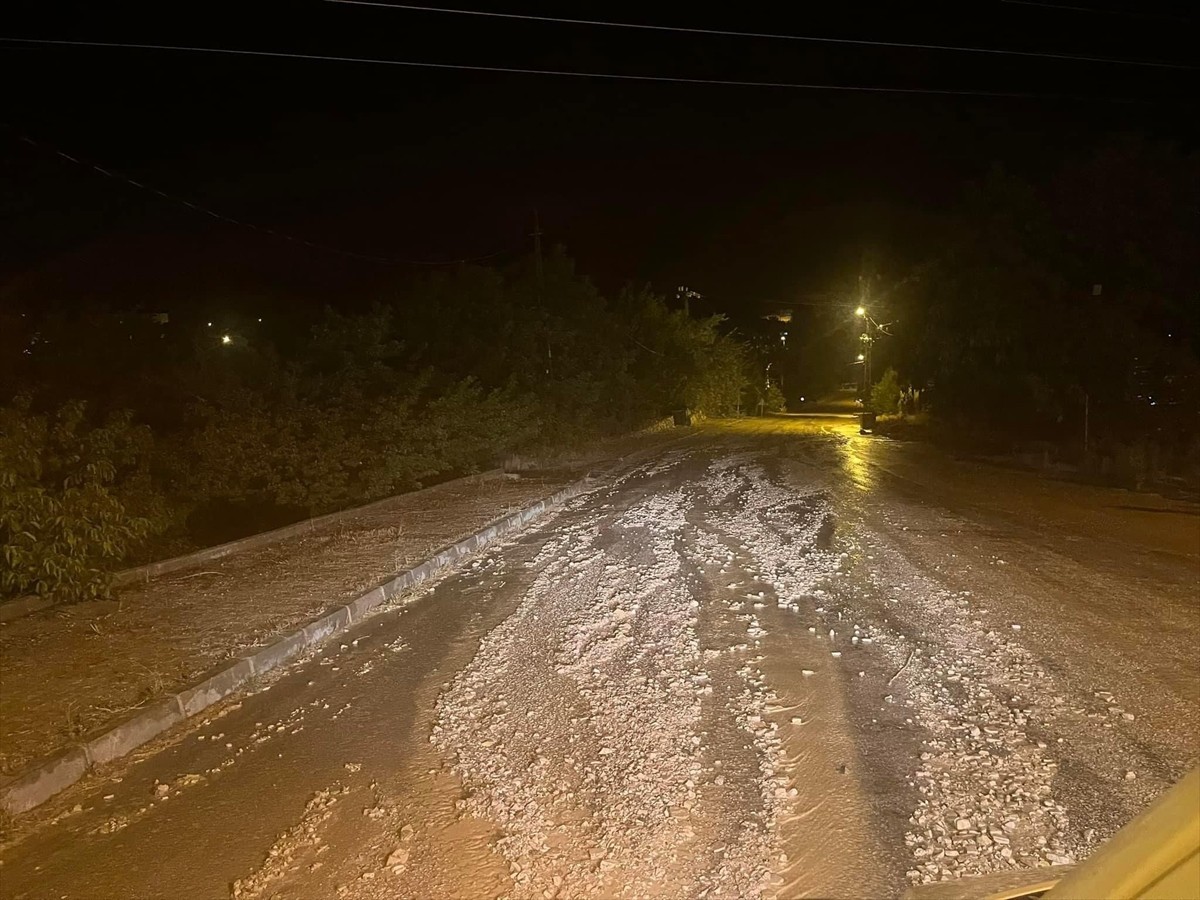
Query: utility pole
867	363
1086	424
539	279
686	294
537	250
868	339
865	285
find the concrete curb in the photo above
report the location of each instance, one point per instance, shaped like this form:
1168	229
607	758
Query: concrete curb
23	606
45	778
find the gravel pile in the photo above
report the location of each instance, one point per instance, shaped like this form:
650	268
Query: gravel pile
986	785
579	727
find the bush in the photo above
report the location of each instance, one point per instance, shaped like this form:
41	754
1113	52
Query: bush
69	494
885	394
773	399
460	371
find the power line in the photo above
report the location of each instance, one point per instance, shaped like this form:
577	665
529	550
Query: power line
196	207
720	32
607	76
1137	14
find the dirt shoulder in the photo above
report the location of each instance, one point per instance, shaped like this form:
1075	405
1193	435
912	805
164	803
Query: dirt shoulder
68	672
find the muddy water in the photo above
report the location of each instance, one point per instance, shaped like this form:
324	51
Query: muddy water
298	790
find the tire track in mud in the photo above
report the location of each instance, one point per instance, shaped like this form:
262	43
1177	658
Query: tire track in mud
628	731
619	727
968	714
588	726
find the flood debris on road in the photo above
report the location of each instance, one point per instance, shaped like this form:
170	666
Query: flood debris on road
748	668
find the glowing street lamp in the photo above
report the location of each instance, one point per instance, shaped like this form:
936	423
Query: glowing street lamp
226	339
861	357
861	311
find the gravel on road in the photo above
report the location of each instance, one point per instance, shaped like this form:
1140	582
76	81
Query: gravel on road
780	660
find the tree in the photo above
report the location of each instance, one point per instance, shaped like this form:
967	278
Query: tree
451	374
75	499
885	393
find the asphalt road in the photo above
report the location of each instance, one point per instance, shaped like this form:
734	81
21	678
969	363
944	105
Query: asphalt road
781	659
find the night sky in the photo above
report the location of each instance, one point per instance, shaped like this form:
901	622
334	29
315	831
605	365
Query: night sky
751	195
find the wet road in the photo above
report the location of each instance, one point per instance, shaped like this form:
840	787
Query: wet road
779	659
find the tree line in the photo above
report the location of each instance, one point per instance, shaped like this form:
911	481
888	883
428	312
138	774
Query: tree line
119	444
1047	308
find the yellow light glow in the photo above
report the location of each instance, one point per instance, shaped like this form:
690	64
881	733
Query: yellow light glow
861	311
861	357
226	339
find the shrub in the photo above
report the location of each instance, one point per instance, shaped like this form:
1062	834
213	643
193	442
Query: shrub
773	399
885	394
69	494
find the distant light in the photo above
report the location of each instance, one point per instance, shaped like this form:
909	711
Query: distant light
861	311
210	324
226	339
801	399
260	320
861	357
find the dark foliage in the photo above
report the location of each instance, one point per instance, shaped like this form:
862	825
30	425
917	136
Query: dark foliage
447	377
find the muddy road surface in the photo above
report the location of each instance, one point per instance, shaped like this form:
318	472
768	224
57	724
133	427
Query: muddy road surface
779	659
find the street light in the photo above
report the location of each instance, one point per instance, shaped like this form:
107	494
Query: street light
226	339
861	357
861	311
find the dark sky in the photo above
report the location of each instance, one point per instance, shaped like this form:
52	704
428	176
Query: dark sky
747	194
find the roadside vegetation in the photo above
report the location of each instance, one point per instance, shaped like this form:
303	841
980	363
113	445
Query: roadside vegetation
119	445
1057	319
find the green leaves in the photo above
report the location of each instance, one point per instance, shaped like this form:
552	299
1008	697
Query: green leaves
463	369
885	393
67	506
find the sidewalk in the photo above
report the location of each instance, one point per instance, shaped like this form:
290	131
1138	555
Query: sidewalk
67	672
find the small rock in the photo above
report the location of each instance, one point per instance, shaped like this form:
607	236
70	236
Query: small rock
1130	776
398	857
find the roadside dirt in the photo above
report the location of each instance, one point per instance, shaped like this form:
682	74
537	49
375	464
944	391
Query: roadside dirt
68	672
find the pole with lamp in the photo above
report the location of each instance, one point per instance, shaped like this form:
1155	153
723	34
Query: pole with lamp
865	356
872	330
